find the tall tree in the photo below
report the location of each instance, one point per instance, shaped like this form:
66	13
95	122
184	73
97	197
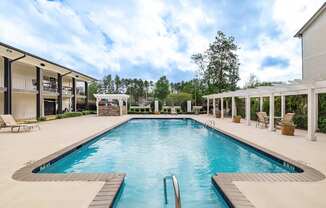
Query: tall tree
108	84
118	84
219	65
162	90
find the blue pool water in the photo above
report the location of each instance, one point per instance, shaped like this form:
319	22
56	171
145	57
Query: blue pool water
147	150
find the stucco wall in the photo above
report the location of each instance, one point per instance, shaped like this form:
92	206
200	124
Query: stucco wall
24	105
1	103
23	76
1	72
314	50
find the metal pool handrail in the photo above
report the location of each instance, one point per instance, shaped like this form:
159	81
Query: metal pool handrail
176	190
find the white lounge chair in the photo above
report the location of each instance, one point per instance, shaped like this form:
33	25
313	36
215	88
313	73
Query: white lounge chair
8	121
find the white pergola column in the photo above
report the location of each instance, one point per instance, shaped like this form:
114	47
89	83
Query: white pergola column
126	106
248	110
271	112
261	103
120	106
222	108
316	111
311	114
233	107
97	106
156	106
214	107
207	106
282	106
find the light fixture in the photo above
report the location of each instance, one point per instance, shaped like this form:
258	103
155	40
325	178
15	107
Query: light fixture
41	64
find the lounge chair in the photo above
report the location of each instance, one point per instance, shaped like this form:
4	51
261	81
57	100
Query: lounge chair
8	121
262	119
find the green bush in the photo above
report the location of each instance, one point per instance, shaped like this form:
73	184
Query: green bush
87	112
69	114
133	112
322	124
301	121
42	118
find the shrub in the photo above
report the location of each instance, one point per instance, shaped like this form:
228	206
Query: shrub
322	124
43	118
87	112
69	114
301	121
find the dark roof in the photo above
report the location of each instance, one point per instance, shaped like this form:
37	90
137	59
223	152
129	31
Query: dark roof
46	60
311	20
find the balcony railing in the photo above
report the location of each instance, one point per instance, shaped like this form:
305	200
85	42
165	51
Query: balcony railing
50	86
66	90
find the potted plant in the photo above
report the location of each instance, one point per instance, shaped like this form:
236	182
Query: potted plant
236	119
287	128
218	113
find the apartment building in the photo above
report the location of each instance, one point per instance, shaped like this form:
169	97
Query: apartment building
313	43
32	87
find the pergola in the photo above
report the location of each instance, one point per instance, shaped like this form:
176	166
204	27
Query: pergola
110	97
296	87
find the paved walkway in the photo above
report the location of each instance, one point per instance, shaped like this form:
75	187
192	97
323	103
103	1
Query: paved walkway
18	149
264	194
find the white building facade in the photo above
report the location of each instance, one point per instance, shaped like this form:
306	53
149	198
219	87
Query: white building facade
32	87
313	37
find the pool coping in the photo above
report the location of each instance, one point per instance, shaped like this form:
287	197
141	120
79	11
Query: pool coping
231	193
114	181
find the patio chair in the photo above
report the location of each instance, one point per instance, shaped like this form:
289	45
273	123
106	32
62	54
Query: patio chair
262	119
8	121
288	118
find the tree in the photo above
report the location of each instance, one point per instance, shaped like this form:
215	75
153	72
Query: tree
93	88
219	65
118	84
161	90
178	99
252	82
108	84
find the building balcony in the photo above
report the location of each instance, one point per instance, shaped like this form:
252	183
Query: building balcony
67	91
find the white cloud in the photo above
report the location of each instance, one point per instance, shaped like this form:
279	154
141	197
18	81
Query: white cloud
289	16
145	36
160	33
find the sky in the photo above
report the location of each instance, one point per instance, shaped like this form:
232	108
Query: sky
150	38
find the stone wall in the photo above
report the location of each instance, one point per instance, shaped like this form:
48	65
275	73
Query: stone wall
109	110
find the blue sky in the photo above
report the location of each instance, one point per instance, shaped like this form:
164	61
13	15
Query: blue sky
151	38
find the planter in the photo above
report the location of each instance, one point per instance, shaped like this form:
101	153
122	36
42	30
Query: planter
287	130
236	119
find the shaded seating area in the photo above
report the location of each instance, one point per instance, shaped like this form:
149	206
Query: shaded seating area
8	121
310	89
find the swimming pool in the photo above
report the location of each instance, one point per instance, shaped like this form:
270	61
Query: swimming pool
150	149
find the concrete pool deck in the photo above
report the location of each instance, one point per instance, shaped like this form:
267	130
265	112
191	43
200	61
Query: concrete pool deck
19	149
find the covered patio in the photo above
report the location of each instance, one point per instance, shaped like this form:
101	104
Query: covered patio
311	89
